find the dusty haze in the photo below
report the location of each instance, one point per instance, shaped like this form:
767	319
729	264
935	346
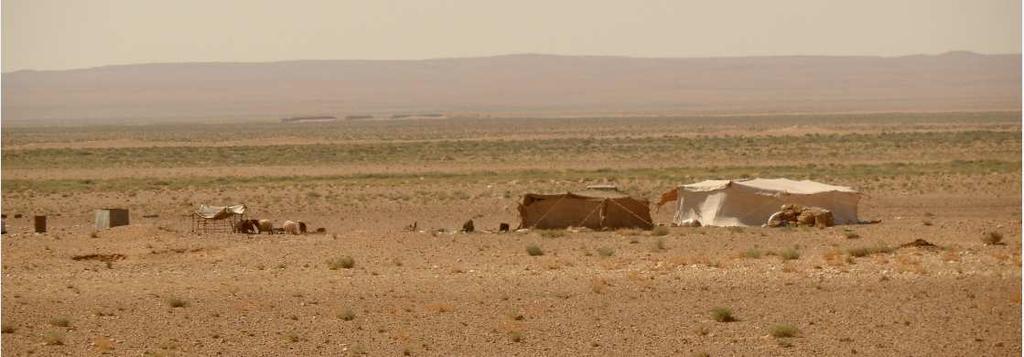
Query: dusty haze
47	34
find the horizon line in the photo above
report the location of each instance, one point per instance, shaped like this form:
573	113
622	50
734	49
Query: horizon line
947	53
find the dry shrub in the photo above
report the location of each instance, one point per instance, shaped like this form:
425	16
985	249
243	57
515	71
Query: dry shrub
866	251
790	254
992	238
343	262
722	314
534	250
60	322
347	315
752	253
176	302
515	336
783	331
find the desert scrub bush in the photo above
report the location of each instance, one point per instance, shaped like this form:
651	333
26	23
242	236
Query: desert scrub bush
551	233
850	234
534	250
752	253
992	238
722	314
660	231
60	322
347	315
342	262
858	252
783	331
176	302
605	251
790	254
7	329
515	336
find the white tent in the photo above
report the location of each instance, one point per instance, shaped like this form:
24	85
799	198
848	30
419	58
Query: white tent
751	202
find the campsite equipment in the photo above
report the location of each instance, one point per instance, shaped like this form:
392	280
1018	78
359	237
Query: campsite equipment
752	202
597	207
217	219
40	223
111	217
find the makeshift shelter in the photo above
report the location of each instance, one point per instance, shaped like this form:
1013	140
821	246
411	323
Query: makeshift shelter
752	202
597	207
217	219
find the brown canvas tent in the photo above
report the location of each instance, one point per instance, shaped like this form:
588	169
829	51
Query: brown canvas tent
597	207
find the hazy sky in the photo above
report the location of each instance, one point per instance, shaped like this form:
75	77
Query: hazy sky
60	34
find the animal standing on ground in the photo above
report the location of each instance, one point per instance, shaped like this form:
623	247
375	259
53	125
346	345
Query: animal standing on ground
248	226
290	227
265	225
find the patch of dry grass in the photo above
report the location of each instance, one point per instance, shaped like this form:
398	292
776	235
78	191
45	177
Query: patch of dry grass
992	238
783	331
722	314
343	262
534	250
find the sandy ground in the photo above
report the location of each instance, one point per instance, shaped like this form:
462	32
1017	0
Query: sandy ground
153	288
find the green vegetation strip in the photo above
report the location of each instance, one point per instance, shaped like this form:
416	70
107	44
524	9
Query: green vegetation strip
677	174
831	147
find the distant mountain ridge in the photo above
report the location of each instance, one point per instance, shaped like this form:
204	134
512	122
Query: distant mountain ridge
528	83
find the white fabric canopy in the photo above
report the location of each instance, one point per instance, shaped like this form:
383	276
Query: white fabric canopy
219	212
751	202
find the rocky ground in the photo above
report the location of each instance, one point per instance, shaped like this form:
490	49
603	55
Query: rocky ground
154	288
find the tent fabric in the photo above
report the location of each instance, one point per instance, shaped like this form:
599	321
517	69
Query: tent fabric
594	208
752	202
219	212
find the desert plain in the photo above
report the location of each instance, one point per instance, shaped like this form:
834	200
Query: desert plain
370	286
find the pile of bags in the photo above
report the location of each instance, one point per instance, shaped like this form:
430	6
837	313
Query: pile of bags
796	215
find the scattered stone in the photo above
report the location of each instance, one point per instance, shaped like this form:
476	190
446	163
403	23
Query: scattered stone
919	243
